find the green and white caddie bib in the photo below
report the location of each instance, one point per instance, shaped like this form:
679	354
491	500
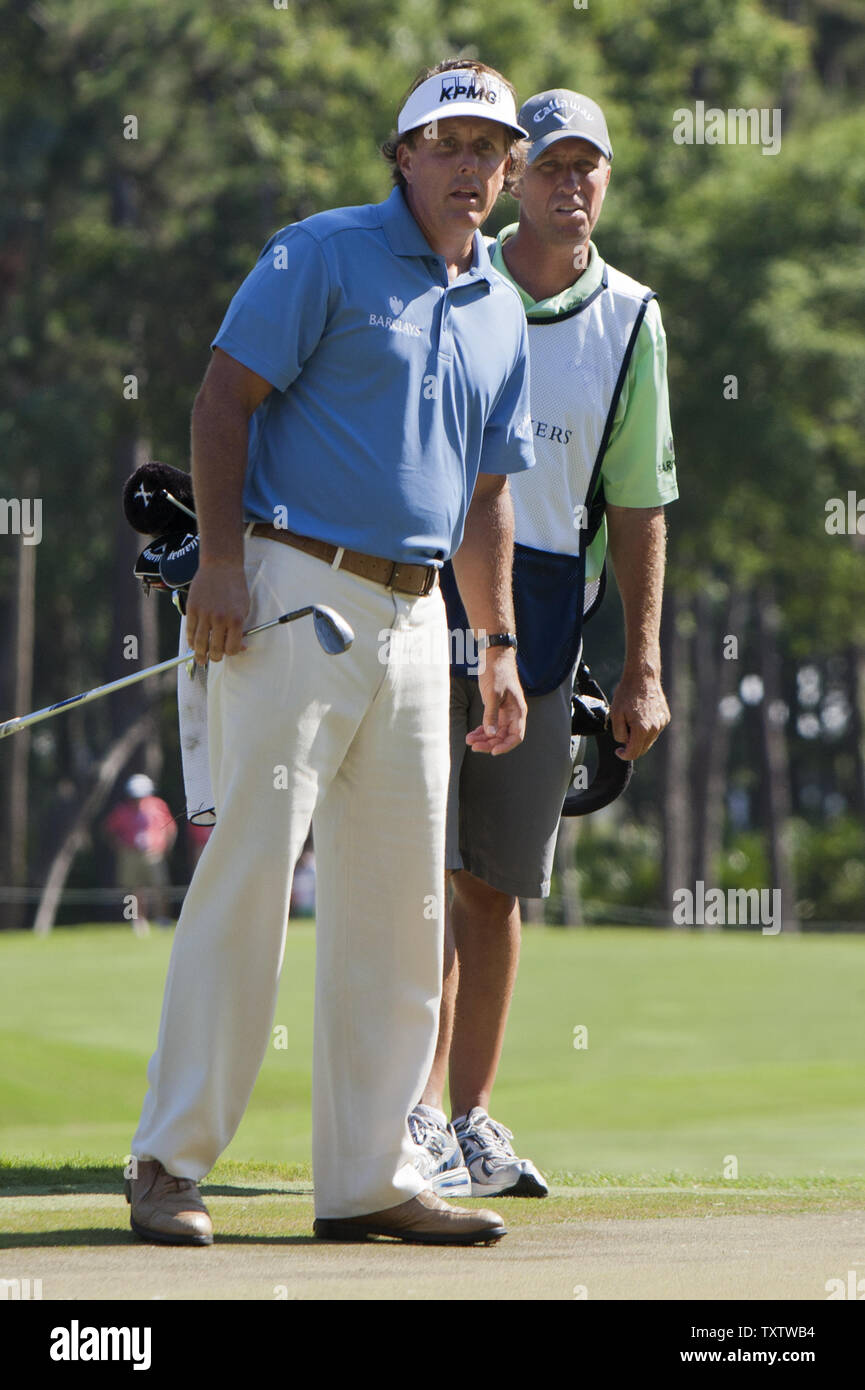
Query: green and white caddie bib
601	431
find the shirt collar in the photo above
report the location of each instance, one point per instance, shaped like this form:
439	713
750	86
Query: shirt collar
405	238
481	266
569	298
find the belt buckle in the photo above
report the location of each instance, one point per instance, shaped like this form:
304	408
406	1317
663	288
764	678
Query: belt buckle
428	582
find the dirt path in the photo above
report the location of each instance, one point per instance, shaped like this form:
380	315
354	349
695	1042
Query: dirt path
80	1247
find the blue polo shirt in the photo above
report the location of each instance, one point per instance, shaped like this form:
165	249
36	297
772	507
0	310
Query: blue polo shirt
392	387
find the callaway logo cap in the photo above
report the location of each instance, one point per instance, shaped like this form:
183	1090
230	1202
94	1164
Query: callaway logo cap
461	92
564	115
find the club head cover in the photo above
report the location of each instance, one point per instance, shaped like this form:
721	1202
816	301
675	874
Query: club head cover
145	505
591	719
178	563
147	565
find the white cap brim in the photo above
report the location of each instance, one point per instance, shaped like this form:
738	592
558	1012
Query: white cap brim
461	92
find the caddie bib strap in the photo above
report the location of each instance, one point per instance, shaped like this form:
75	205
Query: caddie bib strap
595	500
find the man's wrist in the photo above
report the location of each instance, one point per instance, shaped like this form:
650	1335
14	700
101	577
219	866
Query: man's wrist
493	641
222	561
642	668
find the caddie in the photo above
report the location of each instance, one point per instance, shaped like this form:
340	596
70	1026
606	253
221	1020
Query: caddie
605	470
366	401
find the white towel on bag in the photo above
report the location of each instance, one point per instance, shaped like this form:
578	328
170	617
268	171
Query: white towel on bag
192	714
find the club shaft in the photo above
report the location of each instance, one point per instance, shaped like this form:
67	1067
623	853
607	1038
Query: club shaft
25	721
177	502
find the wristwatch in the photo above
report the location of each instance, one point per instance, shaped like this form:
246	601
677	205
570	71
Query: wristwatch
499	639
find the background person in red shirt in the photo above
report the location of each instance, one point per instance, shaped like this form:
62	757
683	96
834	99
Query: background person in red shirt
142	832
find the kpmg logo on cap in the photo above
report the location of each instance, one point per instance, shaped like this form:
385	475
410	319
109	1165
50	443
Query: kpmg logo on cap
455	88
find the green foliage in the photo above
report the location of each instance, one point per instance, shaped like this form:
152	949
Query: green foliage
618	862
120	255
744	863
830	870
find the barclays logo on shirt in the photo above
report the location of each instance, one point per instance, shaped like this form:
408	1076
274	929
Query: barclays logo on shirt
392	321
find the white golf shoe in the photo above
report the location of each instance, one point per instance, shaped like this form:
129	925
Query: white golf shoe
439	1157
493	1166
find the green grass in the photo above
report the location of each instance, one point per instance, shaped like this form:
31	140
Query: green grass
699	1047
78	1202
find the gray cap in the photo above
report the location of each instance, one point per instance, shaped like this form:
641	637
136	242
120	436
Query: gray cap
563	115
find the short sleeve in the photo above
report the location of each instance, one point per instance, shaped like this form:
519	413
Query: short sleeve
639	468
277	317
507	446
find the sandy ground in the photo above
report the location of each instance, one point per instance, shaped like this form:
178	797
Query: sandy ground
738	1256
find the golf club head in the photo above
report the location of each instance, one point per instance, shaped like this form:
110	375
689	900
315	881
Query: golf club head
611	778
590	718
332	631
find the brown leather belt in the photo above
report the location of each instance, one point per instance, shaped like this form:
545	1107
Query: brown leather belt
406	579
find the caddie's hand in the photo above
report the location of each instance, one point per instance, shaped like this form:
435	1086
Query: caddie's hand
638	714
504	723
216	607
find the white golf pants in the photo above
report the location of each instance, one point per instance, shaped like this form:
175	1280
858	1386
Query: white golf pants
357	744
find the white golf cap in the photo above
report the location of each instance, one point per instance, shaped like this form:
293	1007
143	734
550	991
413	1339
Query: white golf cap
139	785
460	92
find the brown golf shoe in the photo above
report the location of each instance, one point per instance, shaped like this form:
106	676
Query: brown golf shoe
167	1209
424	1220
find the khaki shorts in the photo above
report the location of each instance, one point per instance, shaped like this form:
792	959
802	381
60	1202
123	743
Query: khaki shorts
503	812
136	870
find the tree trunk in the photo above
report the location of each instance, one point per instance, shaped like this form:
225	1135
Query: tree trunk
717	675
108	771
776	758
676	625
856	697
134	616
15	793
707	662
566	868
716	784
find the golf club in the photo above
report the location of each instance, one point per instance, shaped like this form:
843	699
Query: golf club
181	506
590	718
333	633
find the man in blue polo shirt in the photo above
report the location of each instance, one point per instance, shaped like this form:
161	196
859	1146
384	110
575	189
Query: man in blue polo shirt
366	400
